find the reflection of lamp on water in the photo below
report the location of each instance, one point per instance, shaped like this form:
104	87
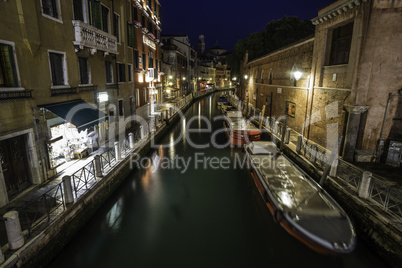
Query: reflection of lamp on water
167	91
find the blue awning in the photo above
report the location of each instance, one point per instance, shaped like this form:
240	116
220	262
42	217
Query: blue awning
79	113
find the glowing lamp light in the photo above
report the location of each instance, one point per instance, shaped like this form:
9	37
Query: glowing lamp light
103	97
170	83
168	91
199	78
184	78
246	76
297	75
234	78
170	77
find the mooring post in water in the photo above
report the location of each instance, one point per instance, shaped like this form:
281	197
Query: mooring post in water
334	153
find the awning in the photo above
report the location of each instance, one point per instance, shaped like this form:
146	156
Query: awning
79	113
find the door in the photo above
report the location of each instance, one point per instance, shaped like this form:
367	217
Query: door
14	163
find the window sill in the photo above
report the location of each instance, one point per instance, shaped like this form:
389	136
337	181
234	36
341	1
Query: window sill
59	87
12	89
52	18
336	66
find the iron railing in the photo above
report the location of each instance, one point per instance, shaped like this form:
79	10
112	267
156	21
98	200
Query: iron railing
40	209
84	177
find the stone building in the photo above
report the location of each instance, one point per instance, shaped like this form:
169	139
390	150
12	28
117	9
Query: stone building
350	82
182	45
56	58
176	69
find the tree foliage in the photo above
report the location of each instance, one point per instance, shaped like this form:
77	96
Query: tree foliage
277	34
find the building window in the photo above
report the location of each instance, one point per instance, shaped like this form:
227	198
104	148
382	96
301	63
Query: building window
144	61
134	13
98	15
340	46
156	65
8	69
136	59
109	72
105	19
58	68
116	26
51	8
78	10
149	3
151	60
85	76
121	72
142	20
121	108
130	35
130	72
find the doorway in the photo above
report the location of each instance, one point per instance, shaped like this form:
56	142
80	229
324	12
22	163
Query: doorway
14	162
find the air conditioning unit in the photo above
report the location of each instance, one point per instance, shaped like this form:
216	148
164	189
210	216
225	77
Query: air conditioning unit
151	74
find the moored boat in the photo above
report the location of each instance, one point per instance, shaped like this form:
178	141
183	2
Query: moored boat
240	130
298	203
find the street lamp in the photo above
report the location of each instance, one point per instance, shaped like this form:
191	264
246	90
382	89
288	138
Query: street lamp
296	74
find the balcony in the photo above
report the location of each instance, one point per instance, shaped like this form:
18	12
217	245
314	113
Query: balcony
89	36
15	94
73	90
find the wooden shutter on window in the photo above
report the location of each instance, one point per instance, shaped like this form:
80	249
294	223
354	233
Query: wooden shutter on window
130	34
7	64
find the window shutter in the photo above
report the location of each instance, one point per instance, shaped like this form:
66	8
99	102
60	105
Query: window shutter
116	27
78	14
130	34
8	70
95	13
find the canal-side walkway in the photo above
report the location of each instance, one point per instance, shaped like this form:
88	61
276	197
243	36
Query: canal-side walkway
50	213
377	216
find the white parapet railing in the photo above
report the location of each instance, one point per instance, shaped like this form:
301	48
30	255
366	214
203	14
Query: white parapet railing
89	36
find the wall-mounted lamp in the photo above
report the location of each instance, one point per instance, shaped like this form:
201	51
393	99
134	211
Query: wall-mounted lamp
170	77
246	76
297	75
184	78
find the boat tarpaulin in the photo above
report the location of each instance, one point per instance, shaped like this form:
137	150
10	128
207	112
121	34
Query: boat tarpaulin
79	113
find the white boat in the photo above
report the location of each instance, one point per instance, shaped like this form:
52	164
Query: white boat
298	203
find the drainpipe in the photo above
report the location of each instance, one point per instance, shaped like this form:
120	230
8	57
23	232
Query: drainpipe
380	141
38	141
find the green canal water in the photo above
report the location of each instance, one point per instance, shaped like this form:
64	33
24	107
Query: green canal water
180	214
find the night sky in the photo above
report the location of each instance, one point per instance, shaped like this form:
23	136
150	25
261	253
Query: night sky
228	21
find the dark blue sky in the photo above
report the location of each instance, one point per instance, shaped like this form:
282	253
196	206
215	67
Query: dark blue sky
228	21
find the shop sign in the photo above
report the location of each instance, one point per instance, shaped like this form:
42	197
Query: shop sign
148	42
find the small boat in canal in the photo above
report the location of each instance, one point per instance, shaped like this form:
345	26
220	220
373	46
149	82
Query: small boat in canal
239	129
298	203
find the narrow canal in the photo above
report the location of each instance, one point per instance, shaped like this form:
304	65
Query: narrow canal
180	214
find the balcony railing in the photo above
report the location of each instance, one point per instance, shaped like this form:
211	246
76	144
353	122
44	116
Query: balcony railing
13	95
89	36
73	90
112	86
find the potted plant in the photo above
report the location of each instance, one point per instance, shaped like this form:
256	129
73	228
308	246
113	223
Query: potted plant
144	30
157	41
138	70
145	71
137	24
151	36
